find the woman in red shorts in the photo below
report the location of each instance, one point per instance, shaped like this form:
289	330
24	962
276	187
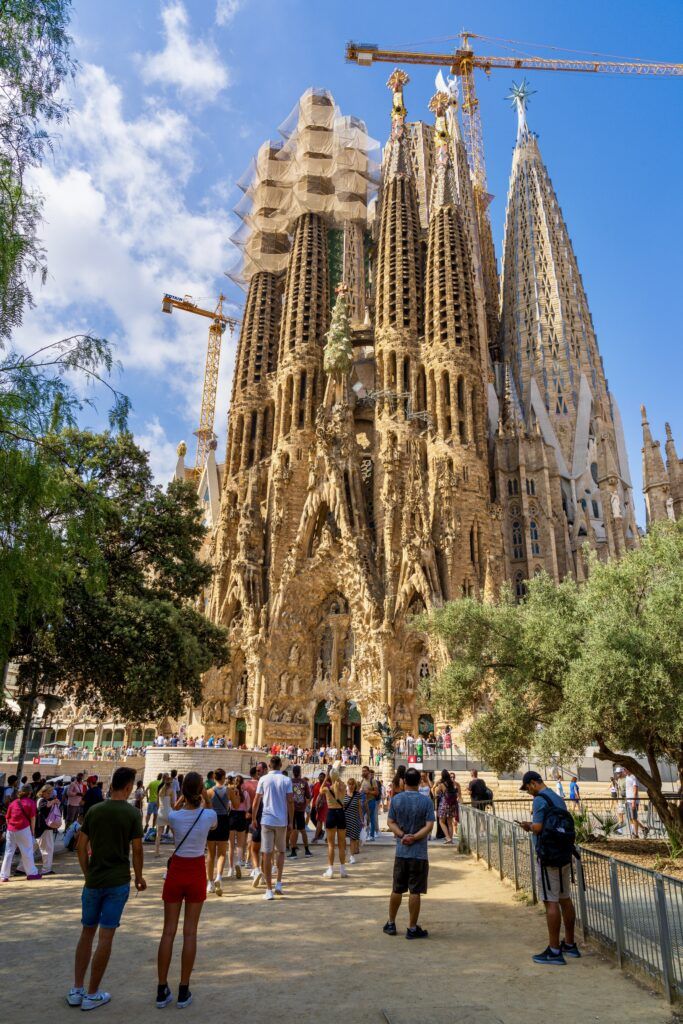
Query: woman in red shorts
185	880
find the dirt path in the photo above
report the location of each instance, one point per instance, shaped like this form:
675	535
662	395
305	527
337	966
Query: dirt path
318	954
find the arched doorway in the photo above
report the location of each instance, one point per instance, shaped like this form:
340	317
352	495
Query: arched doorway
149	736
136	740
118	737
322	726
350	725
106	737
78	738
241	730
89	739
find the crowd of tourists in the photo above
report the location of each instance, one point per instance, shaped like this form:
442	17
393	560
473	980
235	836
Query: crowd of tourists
224	828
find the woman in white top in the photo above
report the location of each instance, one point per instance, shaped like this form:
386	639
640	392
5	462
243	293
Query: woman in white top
185	880
164	798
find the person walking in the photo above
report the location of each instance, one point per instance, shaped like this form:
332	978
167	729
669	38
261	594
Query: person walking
93	794
165	798
354	818
185	882
110	830
152	794
335	791
411	818
74	799
447	795
20	822
553	883
217	839
575	794
301	793
318	810
274	794
48	821
240	805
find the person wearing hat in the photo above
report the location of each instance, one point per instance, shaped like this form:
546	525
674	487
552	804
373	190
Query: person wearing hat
553	882
93	794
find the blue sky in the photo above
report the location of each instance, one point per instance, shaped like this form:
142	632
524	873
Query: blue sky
173	98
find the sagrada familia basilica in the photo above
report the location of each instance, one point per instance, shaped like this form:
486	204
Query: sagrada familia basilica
405	429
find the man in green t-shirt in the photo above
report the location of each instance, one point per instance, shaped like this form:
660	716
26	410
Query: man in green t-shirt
152	794
109	830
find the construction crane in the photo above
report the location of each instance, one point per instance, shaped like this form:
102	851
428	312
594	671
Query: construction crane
462	62
219	321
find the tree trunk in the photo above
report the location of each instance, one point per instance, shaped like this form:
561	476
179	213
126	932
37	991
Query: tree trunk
30	707
670	811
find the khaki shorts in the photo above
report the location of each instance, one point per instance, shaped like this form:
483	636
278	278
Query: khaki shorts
557	883
273	837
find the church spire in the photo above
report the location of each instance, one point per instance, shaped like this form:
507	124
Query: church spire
655	477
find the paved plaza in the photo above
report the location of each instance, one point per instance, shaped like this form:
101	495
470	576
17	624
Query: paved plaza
318	954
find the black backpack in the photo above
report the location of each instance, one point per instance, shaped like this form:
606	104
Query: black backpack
555	847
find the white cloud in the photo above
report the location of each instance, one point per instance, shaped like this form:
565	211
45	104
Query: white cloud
227	9
162	452
119	231
194	68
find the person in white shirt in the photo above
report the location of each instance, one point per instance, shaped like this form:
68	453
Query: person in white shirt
632	805
274	792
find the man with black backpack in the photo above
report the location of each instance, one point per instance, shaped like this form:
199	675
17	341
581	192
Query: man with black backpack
553	828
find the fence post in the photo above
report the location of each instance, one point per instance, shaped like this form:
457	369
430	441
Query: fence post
664	939
475	814
532	862
616	910
581	892
500	851
488	839
515	865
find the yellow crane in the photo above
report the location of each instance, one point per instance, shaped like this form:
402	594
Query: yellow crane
219	321
462	61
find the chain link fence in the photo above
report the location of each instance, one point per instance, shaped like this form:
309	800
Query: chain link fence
635	913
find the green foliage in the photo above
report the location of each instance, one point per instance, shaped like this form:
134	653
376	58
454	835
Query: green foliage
34	62
573	666
609	824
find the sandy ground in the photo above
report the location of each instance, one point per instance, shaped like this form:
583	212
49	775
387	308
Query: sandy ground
318	954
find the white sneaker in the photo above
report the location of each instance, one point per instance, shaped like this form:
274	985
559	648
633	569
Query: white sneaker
74	996
229	873
210	887
218	887
95	1000
343	873
352	860
269	894
278	888
257	879
253	873
329	873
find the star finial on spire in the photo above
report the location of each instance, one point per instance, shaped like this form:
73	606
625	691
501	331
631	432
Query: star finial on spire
397	79
519	97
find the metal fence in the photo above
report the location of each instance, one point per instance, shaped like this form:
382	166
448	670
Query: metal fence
625	819
637	914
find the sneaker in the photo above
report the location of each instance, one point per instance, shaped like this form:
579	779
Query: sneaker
548	957
343	873
4	880
165	999
329	873
74	996
269	894
352	859
253	873
389	928
217	887
416	932
231	873
570	949
278	888
307	852
292	852
210	887
95	1000
257	879
238	871
34	878
182	1003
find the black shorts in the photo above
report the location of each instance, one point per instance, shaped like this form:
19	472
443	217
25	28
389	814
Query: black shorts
410	875
220	833
255	833
238	821
299	820
336	818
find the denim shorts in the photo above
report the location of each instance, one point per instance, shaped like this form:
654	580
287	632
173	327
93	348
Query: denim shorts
103	907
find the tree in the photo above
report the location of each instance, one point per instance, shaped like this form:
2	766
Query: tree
572	666
34	63
122	633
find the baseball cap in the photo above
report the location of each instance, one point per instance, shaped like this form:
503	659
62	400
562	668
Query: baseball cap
530	777
92	779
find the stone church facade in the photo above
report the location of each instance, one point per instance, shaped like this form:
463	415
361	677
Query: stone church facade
433	443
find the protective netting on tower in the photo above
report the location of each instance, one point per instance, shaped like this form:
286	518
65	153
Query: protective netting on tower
326	164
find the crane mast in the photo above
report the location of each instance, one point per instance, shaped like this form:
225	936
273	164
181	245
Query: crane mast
219	321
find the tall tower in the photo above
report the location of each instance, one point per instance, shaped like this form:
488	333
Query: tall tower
458	454
550	348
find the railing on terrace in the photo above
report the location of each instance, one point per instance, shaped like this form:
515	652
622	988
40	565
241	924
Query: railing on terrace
601	811
636	913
